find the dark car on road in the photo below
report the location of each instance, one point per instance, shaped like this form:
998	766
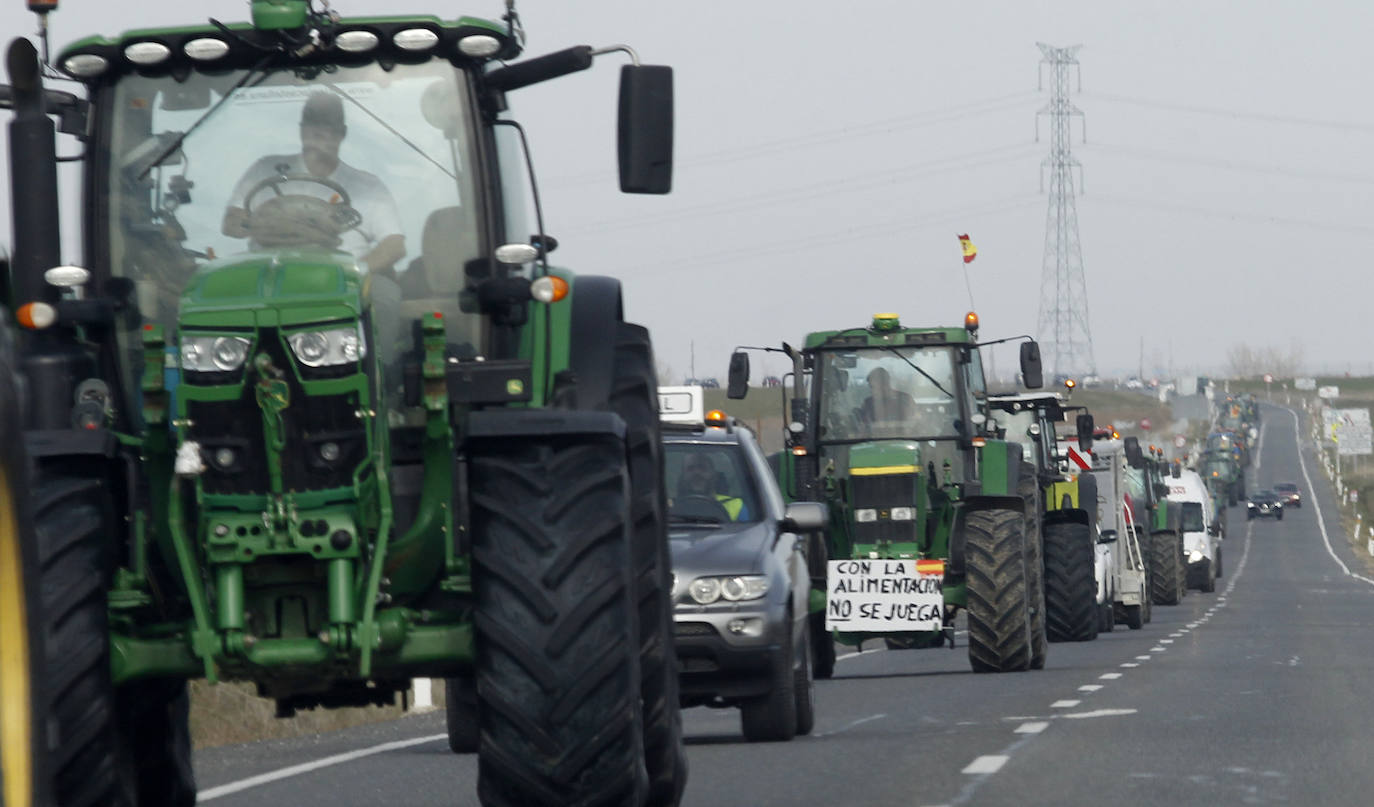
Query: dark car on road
1265	504
1289	493
741	583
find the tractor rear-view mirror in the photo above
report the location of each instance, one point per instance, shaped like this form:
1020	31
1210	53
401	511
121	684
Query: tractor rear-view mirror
1134	456
645	129
1032	375
1085	431
738	384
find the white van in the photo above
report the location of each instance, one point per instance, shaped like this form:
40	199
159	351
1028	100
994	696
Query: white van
1201	535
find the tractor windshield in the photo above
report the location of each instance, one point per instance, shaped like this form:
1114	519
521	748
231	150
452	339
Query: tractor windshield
372	164
876	393
1018	430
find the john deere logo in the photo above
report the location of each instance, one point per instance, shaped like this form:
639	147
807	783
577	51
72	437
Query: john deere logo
515	386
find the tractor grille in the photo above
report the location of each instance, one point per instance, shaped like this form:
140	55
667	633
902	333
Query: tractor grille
309	424
882	493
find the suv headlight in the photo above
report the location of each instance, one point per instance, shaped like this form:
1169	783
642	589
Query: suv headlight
329	347
706	590
208	354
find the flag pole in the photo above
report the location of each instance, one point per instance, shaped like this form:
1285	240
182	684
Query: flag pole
969	286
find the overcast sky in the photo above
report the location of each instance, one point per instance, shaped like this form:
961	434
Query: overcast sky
829	152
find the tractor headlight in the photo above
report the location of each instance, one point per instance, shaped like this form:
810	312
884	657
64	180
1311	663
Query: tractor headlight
1195	556
903	514
208	354
328	348
865	515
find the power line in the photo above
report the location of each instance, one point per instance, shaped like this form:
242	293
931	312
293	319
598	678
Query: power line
1136	152
1267	117
849	132
1258	218
831	187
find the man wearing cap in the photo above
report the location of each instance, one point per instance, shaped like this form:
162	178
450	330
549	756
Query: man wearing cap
376	242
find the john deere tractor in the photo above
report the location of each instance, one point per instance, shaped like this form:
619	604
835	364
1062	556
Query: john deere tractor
317	414
1069	517
886	426
1162	520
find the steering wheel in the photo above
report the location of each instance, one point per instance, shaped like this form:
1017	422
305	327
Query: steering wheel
698	505
298	217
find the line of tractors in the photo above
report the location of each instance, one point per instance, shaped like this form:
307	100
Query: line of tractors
246	442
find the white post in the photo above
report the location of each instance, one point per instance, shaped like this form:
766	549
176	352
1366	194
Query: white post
423	691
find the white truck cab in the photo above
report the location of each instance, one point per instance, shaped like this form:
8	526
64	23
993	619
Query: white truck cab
1201	535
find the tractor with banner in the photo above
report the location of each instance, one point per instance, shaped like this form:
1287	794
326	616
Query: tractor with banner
930	512
323	428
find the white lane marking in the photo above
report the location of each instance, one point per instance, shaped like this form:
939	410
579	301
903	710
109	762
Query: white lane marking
1109	676
1176	635
1098	713
1294	661
1064	704
988	763
1321	522
858	653
1192	624
1033	727
1089	687
1166	641
1130	664
847	726
307	767
1158	649
1143	658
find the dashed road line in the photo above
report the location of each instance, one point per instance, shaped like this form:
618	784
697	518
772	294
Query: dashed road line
1089	687
1109	676
1064	704
986	764
1032	727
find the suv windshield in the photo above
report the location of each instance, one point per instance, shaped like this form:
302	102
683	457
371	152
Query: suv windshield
888	392
709	483
368	164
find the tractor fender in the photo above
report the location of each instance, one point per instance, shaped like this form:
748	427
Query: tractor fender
1000	468
957	534
596	313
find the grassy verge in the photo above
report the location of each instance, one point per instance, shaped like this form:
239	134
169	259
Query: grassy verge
222	714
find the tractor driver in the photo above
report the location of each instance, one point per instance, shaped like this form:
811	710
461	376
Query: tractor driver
699	479
376	242
885	404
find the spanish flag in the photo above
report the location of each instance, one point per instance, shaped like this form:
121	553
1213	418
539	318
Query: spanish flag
970	251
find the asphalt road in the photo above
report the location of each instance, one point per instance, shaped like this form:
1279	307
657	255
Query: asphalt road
1261	693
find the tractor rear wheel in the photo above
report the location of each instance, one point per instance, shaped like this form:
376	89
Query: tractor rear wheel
634	396
1166	568
999	601
556	633
460	715
1070	583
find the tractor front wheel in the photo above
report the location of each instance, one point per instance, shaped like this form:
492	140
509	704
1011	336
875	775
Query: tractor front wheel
999	597
1070	583
557	638
1166	569
460	715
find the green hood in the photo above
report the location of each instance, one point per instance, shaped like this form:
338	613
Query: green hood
278	289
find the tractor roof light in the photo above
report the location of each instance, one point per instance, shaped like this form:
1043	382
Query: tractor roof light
799	451
715	418
971	322
415	39
205	49
479	46
147	53
1069	384
356	41
979	442
549	289
85	65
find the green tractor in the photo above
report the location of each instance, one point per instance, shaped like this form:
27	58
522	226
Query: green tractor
930	513
1224	459
318	414
1069	529
1162	543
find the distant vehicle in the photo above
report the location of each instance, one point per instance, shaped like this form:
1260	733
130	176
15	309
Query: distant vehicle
1264	504
1134	383
1289	493
1201	531
710	383
772	381
741	577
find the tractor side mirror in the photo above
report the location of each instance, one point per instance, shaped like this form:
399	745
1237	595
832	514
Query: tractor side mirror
738	384
1085	431
1175	469
1107	537
645	129
1031	373
1134	456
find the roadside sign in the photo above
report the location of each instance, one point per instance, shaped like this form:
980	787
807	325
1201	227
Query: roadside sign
1180	441
1328	392
1268	378
1352	432
1145	424
884	595
1305	383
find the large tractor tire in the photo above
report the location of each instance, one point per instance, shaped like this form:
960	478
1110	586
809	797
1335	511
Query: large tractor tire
1070	583
822	648
1168	575
154	721
999	601
1028	487
634	396
773	717
23	713
460	715
556	632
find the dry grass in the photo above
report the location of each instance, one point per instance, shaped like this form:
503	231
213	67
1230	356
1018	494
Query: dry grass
222	714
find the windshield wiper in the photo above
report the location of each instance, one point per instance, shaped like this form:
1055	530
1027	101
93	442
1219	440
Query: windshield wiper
701	521
917	368
175	145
